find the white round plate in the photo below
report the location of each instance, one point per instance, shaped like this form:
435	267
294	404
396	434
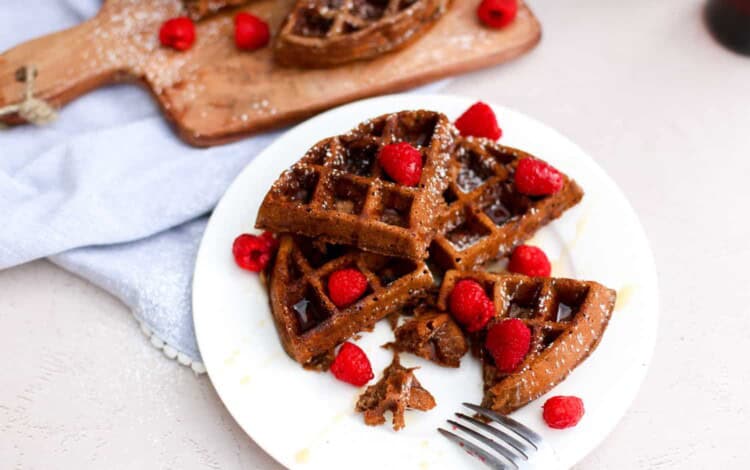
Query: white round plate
306	420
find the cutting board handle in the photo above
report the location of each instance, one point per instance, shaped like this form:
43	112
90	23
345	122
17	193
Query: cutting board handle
68	63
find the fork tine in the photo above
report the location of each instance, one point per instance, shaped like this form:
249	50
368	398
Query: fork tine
501	434
533	438
515	460
484	456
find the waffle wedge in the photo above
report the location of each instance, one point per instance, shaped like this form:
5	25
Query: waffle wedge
339	192
567	319
486	216
309	324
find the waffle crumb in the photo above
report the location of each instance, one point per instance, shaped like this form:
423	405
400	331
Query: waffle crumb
397	391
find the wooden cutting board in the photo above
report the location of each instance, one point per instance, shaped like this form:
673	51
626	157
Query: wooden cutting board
215	93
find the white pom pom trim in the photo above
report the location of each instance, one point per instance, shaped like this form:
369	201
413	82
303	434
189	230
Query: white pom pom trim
170	351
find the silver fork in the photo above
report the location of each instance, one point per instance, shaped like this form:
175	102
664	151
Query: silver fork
504	444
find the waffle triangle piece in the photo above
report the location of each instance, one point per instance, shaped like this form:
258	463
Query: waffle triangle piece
566	317
339	192
309	324
486	217
322	33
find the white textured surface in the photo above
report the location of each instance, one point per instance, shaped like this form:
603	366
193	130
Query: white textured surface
642	88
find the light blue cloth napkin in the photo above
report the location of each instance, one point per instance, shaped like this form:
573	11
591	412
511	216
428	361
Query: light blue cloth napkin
109	193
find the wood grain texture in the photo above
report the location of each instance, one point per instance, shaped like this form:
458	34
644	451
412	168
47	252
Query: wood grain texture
215	94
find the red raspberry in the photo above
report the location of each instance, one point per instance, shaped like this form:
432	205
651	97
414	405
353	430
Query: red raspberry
402	162
250	32
479	121
470	306
345	286
563	412
253	252
537	178
497	13
178	33
529	260
352	366
508	342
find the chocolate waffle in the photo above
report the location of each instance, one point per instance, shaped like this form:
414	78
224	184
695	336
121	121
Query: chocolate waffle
486	216
339	192
323	33
433	336
199	9
397	391
309	324
566	317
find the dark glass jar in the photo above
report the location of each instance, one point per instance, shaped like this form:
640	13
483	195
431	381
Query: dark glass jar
729	21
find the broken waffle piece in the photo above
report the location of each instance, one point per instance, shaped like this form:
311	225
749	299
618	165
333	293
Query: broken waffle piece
339	191
324	33
397	391
308	322
486	215
566	319
432	336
